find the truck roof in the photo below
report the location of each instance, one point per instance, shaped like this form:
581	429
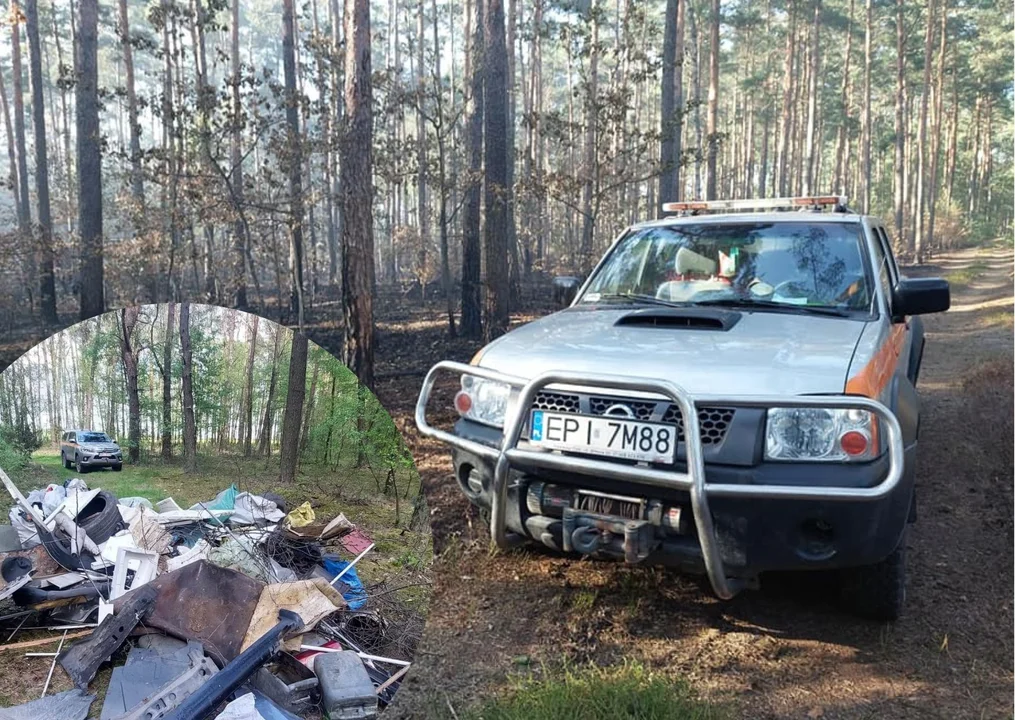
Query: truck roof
755	217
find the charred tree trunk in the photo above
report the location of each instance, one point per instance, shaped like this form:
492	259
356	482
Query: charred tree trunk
495	160
357	196
471	324
294	163
44	246
89	147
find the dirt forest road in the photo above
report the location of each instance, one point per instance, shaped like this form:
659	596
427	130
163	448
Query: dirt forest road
785	651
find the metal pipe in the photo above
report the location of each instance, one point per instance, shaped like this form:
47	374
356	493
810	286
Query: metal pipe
348	567
53	666
208	696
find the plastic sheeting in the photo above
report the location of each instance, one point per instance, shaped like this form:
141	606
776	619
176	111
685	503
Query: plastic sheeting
356	595
253	509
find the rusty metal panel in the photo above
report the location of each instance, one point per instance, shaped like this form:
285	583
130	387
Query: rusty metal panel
204	602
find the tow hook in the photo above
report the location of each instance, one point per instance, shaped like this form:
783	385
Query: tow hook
588	533
587	540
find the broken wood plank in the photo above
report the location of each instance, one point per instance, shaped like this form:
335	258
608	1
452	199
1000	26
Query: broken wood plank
83	660
43	641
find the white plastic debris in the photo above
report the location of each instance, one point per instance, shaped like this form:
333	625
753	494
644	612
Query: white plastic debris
27	533
198	552
250	509
55	494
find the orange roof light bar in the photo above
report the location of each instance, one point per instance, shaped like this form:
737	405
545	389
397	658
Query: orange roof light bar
839	201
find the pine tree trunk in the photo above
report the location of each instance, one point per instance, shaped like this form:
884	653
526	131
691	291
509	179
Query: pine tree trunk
12	160
810	153
308	415
189	425
938	135
495	315
89	141
128	319
44	248
294	163
900	125
238	295
471	323
712	126
668	127
247	427
268	417
922	192
24	212
357	206
590	172
289	454
785	123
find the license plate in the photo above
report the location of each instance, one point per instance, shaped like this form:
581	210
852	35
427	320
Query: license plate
607	436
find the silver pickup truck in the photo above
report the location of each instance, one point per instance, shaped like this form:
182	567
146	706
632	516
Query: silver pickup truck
732	391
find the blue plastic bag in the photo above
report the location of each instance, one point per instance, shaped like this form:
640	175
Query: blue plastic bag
356	595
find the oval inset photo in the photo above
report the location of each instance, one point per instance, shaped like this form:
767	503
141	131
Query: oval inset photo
208	513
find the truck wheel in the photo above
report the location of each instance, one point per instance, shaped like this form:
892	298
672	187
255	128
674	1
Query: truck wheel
66	463
876	591
118	467
78	466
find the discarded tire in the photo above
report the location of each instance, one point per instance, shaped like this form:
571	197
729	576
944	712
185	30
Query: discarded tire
100	518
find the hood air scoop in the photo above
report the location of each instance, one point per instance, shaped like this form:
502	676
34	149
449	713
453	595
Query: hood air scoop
691	318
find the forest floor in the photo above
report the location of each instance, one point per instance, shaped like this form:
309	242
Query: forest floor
785	650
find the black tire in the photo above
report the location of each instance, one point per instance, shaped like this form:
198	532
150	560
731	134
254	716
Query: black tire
81	469
118	467
876	591
67	464
101	518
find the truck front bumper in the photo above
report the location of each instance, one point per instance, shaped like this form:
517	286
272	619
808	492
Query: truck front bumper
731	523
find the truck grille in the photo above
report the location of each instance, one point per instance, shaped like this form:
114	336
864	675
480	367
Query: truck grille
713	421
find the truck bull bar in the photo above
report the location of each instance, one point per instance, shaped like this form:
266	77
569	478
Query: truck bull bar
693	480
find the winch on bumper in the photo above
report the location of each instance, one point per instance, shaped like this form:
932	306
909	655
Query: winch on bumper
732	523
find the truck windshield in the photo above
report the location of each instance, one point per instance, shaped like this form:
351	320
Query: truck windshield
767	264
95	438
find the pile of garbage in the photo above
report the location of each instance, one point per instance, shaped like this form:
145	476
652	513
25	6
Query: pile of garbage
240	605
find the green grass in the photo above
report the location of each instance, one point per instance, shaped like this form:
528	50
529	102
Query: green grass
627	692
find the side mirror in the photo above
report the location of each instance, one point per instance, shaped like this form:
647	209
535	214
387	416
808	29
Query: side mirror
920	296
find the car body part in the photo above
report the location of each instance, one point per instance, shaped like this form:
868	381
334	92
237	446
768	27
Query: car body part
69	705
83	660
289	683
39	598
237	672
347	691
255	706
152	683
204	602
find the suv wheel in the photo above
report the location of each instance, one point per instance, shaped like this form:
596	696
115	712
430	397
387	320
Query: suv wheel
877	591
118	467
67	464
78	466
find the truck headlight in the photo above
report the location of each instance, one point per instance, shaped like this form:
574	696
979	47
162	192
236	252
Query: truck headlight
826	434
484	401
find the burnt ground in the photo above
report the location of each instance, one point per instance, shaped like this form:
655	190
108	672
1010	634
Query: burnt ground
785	650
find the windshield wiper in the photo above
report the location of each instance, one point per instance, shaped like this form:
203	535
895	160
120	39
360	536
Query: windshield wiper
638	297
777	306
